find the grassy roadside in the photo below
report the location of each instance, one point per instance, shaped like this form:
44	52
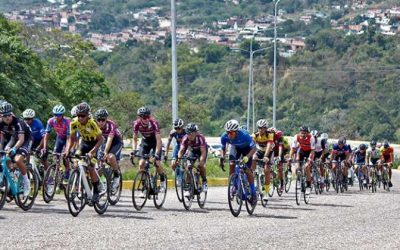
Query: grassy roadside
212	168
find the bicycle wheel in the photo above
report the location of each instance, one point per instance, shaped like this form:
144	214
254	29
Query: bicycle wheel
261	189
178	183
159	195
235	195
101	205
271	185
249	207
75	196
298	188
3	190
306	194
27	202
337	181
50	182
187	189
114	194
201	194
288	182
140	189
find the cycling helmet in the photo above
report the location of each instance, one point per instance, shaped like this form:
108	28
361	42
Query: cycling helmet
82	108
342	140
278	134
315	133
73	111
304	129
231	125
362	146
178	123
272	130
191	127
324	136
6	108
372	143
262	123
385	144
143	111
28	114
58	110
101	114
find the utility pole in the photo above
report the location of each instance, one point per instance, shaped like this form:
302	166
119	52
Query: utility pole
174	63
274	83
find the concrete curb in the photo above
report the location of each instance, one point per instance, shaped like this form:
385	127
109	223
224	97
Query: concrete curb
212	182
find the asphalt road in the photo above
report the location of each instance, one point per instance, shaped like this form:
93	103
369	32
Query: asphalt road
352	220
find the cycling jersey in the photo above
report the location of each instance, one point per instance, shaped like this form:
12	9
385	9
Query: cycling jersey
60	127
38	131
111	128
178	136
374	153
387	153
281	141
263	140
15	128
305	144
196	144
319	145
147	130
242	140
360	156
88	132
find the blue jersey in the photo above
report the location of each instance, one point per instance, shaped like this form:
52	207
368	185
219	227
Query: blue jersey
341	151
178	137
360	156
242	140
37	129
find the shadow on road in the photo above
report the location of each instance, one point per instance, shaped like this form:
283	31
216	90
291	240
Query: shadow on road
183	210
329	205
281	217
126	216
35	210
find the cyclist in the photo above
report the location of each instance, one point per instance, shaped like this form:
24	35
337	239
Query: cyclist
15	138
264	140
198	148
38	132
387	157
359	158
320	148
374	156
111	149
242	145
341	152
151	141
60	124
91	140
305	143
178	133
281	148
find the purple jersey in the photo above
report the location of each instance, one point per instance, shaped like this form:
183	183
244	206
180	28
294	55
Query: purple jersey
198	142
149	130
61	128
111	128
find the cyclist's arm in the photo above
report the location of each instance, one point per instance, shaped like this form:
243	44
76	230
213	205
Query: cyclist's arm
391	158
100	141
159	144
168	144
203	156
109	141
70	142
251	153
268	150
134	142
45	140
1	141
20	141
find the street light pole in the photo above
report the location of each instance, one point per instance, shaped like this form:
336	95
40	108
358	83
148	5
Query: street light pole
274	83
174	63
250	84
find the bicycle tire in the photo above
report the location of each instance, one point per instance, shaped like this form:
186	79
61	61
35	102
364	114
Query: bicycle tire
75	198
114	195
187	185
101	205
178	188
249	207
298	188
51	174
159	197
260	185
140	189
3	190
288	182
26	203
235	194
271	190
201	195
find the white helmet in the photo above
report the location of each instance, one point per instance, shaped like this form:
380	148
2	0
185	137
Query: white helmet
324	136
58	110
28	114
315	133
231	125
178	123
262	123
73	111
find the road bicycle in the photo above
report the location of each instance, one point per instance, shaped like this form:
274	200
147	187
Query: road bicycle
192	184
80	190
239	190
147	185
105	171
259	180
385	177
275	181
53	178
301	183
178	181
12	184
316	178
288	175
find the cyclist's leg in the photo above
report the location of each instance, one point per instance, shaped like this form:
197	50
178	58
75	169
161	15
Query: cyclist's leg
85	148
233	155
174	161
254	162
114	155
390	173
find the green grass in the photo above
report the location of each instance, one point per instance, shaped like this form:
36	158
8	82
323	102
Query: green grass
212	168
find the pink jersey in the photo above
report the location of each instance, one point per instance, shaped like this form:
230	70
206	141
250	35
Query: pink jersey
61	128
110	128
198	142
148	130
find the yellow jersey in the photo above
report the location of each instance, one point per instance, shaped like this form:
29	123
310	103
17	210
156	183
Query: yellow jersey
263	140
88	132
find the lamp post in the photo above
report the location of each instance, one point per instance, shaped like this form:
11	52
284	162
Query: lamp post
274	83
174	63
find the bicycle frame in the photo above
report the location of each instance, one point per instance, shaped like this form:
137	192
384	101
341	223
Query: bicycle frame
6	173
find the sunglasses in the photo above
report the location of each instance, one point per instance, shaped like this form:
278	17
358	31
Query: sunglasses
144	117
101	120
177	128
58	115
81	116
28	119
231	132
8	115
